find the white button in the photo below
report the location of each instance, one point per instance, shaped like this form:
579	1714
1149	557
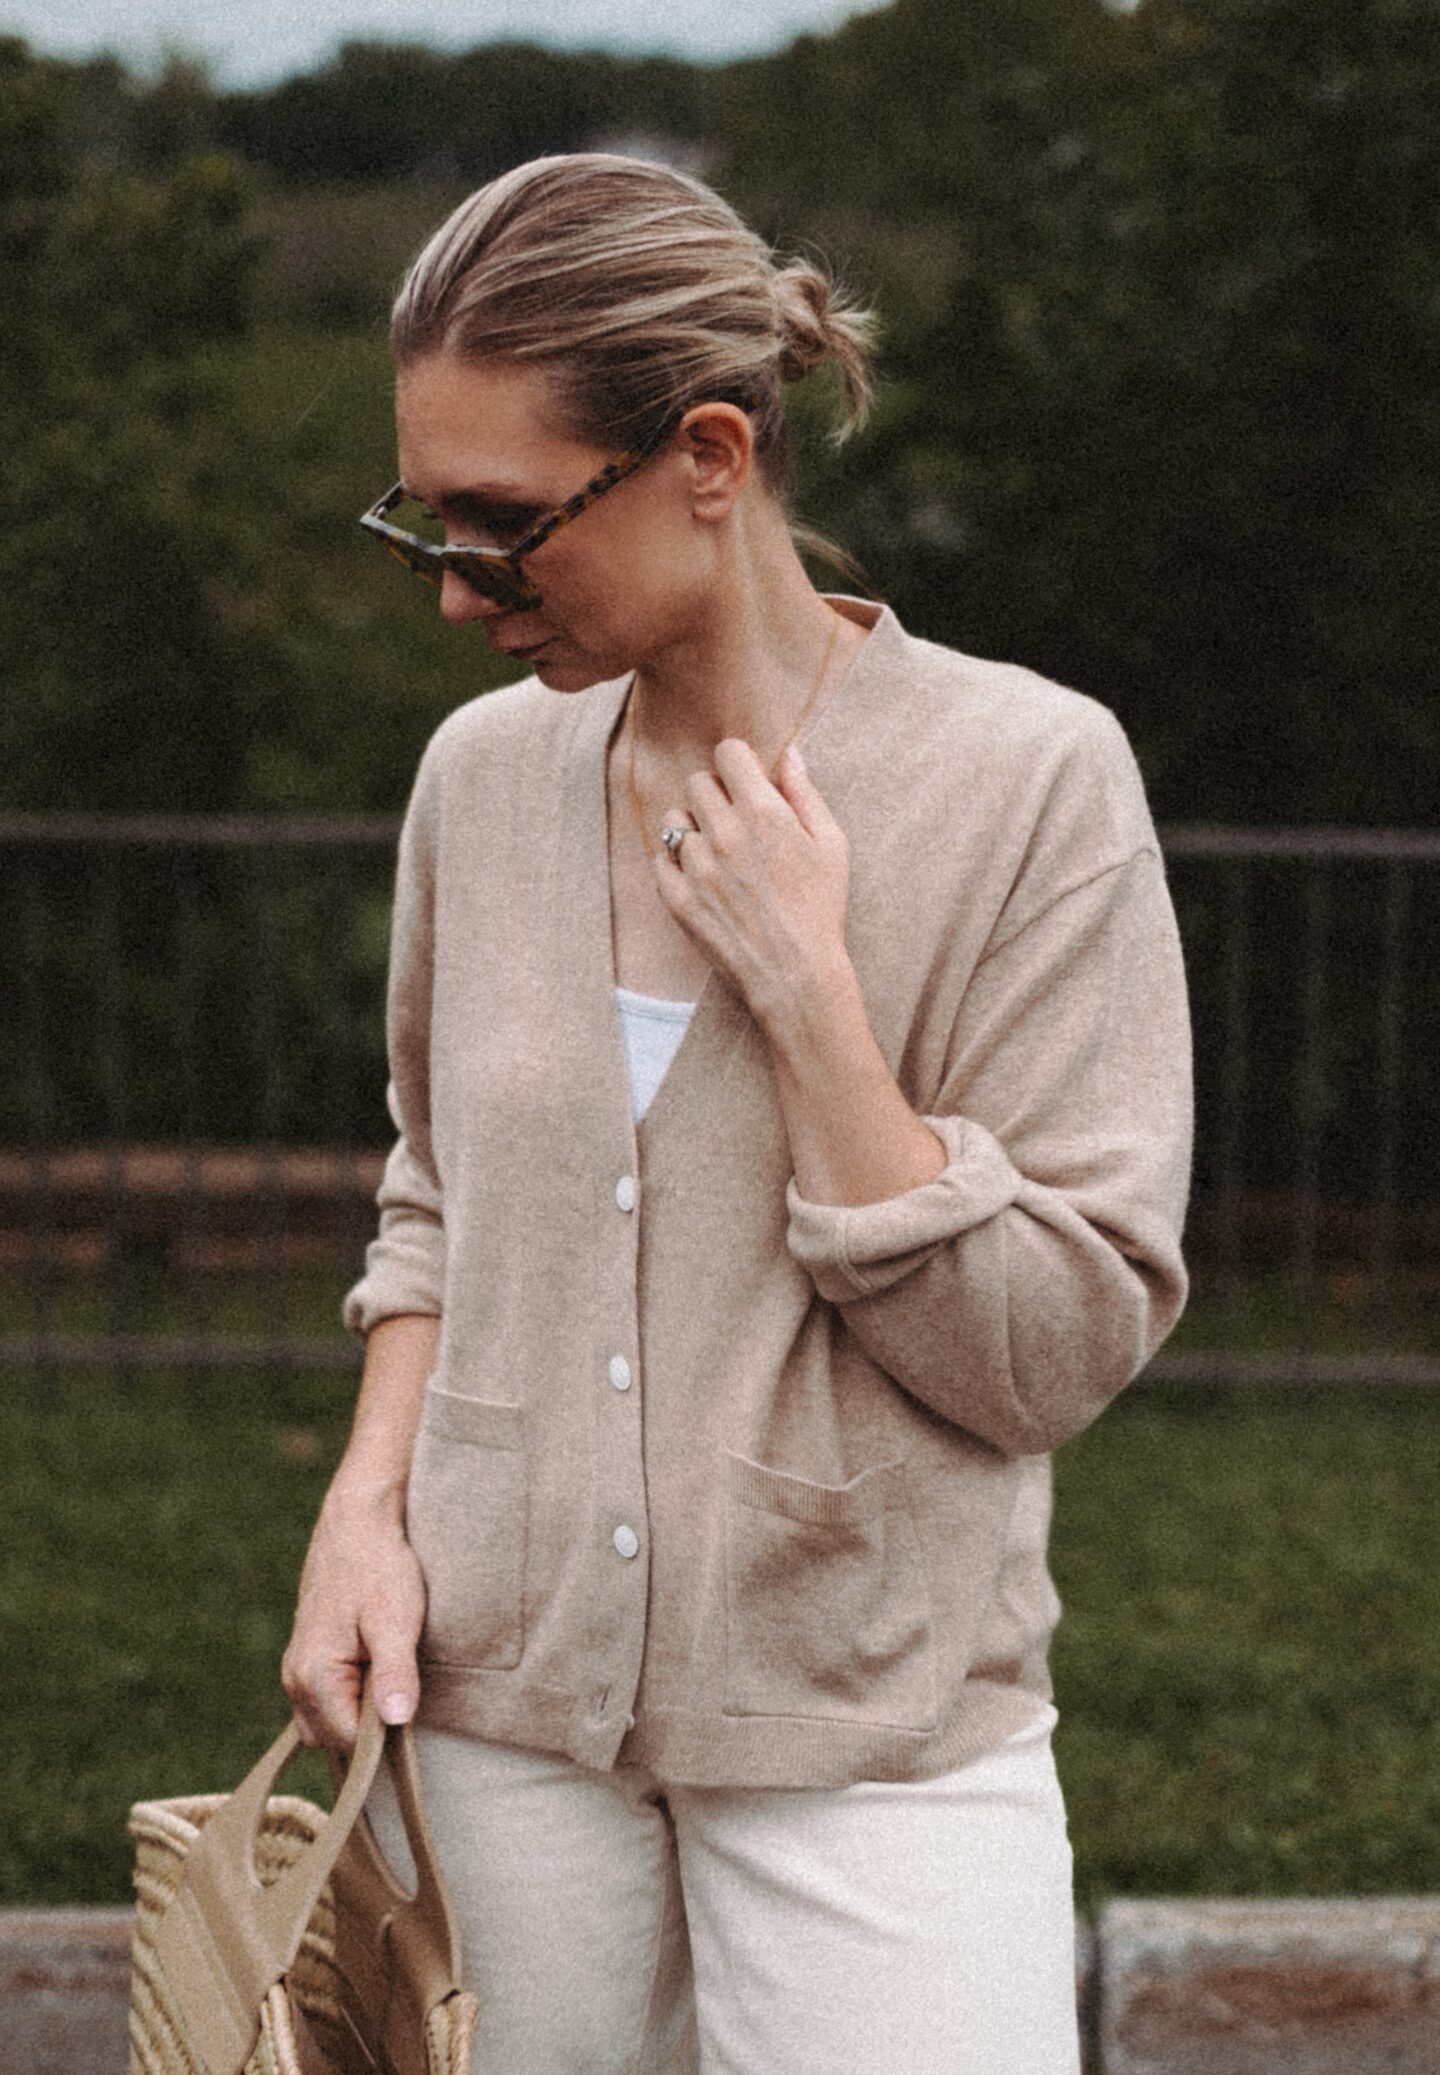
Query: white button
626	1192
620	1372
627	1541
629	1721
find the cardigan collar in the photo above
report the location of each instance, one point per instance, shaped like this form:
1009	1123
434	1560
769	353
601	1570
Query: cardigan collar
721	1026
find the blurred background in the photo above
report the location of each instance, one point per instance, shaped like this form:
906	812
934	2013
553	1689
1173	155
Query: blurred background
1159	416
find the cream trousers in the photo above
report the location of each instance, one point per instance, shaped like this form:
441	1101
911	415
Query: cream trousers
613	1926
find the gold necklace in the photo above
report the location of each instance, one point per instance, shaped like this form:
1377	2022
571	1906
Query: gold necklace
635	807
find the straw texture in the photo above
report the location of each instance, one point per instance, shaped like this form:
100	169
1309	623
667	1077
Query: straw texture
304	2029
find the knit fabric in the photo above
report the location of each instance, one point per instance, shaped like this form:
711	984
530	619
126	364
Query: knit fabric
751	1489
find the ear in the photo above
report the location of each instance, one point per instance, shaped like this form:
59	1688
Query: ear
717	445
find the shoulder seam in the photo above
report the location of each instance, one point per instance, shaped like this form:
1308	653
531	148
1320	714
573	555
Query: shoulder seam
1066	893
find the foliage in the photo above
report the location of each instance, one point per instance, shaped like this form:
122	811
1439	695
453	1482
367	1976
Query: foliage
123	660
1168	428
117	648
1161	414
176	637
395	111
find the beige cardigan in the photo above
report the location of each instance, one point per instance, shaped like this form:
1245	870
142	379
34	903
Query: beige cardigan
750	1489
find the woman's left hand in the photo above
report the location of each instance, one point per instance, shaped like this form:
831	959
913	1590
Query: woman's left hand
762	877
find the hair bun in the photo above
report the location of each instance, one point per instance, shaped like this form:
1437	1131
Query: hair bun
637	290
802	297
819	322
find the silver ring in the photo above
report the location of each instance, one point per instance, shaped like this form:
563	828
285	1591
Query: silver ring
672	838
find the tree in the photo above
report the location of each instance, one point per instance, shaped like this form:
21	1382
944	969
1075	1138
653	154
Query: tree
194	621
1164	417
120	647
403	112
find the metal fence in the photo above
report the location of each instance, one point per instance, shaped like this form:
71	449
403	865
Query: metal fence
192	1072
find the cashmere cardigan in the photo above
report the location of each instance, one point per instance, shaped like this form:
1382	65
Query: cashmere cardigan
750	1489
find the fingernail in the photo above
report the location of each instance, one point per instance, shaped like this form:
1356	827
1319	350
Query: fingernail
395	1707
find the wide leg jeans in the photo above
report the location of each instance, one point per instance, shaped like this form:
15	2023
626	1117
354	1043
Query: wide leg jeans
613	1925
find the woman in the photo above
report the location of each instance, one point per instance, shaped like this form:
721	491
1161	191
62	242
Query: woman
702	1443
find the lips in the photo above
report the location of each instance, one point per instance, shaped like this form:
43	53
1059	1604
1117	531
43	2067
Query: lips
521	654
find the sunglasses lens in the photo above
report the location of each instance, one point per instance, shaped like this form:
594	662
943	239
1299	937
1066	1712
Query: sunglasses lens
495	582
408	538
410	559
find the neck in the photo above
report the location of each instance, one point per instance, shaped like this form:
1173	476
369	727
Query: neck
747	663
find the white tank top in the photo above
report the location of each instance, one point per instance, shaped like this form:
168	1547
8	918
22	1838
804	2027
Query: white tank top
652	1030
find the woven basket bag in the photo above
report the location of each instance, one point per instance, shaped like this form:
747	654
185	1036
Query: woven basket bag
272	1939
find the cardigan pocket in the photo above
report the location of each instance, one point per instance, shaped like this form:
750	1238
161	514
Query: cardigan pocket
827	1603
466	1516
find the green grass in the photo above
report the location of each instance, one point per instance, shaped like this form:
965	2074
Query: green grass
153	1546
303	1298
151	1298
1345	1312
1246	1671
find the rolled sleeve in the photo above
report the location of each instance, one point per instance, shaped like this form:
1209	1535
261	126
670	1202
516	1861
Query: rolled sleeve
852	1250
1023	1286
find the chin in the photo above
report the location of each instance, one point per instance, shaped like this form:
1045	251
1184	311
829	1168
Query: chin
570	673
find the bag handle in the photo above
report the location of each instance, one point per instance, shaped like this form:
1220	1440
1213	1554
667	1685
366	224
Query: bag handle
429	1904
226	1939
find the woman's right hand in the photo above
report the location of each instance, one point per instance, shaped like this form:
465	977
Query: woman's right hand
360	1611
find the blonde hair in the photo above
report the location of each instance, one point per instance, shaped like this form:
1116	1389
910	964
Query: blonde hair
640	292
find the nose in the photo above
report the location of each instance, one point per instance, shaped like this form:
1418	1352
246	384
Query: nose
460	603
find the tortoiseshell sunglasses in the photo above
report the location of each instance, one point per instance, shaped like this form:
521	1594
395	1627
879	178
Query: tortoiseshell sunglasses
496	573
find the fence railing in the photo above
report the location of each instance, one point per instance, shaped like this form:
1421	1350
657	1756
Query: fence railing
192	1077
